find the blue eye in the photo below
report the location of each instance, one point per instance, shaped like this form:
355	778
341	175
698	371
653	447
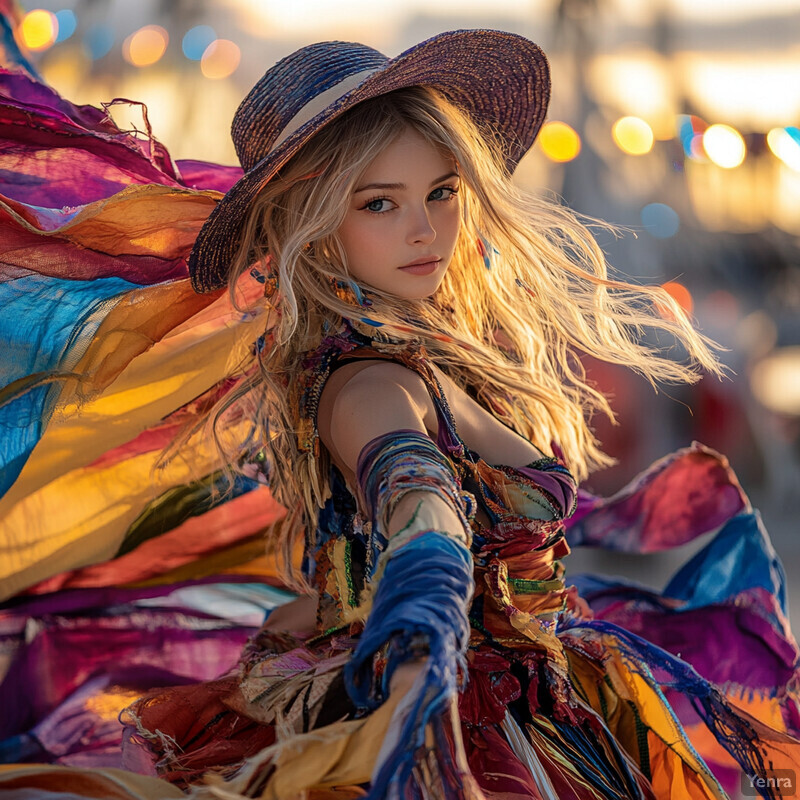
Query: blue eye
375	205
443	193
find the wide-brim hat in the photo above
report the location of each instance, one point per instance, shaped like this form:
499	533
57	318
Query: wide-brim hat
500	79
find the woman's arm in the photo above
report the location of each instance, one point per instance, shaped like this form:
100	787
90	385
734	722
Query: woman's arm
373	400
423	582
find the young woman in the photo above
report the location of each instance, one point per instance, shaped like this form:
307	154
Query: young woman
418	394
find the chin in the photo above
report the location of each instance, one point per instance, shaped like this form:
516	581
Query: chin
418	295
422	291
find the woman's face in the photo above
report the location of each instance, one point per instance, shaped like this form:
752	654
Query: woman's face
403	219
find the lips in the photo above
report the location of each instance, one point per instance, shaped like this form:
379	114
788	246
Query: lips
422	266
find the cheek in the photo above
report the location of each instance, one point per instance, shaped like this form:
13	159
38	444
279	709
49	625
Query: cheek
349	238
452	225
362	244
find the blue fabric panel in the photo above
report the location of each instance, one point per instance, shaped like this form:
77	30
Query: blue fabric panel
738	558
46	325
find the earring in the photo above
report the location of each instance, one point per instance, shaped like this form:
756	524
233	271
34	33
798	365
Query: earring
269	278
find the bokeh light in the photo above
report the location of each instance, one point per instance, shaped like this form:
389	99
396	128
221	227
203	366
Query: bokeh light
67	23
633	135
660	220
559	141
724	145
785	144
690	132
38	29
196	41
145	46
681	295
98	41
220	59
775	381
756	334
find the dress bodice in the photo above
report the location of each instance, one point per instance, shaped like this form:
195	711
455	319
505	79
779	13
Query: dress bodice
518	539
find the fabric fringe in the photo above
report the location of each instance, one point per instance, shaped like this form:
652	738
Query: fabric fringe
735	730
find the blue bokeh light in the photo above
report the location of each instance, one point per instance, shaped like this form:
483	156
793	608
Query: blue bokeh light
685	132
98	40
67	23
660	220
196	40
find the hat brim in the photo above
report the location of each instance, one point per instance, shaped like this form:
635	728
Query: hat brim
501	79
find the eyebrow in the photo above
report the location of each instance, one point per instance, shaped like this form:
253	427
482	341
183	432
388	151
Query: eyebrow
400	186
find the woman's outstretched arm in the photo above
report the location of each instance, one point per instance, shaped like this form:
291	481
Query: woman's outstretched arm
422	582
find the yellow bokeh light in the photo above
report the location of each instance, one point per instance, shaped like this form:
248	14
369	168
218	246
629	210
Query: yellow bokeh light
145	46
559	142
785	147
775	381
39	29
220	59
724	145
633	136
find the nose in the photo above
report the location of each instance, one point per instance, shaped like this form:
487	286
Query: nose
420	229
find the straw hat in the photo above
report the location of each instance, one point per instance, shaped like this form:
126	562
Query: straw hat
499	79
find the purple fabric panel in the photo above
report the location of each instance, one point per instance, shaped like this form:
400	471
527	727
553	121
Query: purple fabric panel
17	86
726	643
14	613
53	153
679	498
145	648
74	729
205	175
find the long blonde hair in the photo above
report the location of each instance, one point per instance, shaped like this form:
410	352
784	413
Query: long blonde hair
510	331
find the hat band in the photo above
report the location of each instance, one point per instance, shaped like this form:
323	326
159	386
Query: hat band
320	103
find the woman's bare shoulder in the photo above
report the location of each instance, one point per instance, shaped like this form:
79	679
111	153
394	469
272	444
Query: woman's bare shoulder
366	399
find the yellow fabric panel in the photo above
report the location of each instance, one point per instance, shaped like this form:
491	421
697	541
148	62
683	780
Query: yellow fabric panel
652	712
670	752
81	517
341	754
672	779
173	372
138	320
153	220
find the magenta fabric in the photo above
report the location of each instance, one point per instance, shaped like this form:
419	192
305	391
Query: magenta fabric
679	498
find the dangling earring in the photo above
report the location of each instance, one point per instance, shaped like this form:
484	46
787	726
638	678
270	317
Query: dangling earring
266	276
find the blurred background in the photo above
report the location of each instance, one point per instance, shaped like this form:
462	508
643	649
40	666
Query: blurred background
676	120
